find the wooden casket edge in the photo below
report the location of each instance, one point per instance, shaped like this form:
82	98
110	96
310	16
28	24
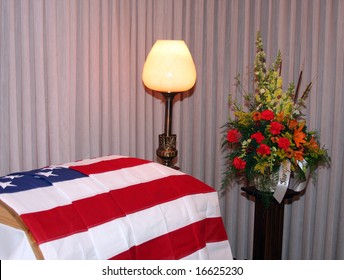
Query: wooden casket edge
10	218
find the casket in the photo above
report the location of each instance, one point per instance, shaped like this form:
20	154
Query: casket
112	207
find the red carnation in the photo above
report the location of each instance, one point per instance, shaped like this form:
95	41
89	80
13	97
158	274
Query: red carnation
239	163
283	143
275	128
263	150
267	115
233	136
258	136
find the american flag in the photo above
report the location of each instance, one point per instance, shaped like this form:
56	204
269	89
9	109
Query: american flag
117	208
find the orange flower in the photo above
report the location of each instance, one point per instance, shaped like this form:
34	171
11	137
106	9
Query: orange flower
292	124
298	155
313	144
290	153
280	117
256	116
299	136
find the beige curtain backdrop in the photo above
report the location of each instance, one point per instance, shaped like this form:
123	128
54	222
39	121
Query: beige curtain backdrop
70	88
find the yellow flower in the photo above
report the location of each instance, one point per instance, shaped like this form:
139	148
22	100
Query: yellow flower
243	117
261	167
281	154
268	98
278	93
279	82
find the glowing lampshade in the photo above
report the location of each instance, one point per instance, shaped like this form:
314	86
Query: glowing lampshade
169	67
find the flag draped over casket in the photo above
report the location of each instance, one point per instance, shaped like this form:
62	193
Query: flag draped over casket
117	208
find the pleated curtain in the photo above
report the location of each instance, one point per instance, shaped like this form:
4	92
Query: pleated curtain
71	88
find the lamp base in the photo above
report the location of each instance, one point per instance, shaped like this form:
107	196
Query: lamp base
167	148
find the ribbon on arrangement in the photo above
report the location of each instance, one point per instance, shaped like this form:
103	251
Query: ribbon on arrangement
299	184
285	180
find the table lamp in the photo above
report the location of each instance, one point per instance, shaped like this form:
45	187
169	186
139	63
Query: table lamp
169	69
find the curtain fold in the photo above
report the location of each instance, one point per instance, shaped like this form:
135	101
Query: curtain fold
71	88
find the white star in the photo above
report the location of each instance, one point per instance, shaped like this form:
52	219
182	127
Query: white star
51	168
46	174
12	176
4	185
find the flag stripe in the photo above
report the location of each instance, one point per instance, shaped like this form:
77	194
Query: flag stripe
54	223
78	246
141	196
109	165
177	244
35	200
212	251
90	161
125	177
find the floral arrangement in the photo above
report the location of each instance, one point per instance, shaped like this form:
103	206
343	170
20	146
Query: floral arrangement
271	129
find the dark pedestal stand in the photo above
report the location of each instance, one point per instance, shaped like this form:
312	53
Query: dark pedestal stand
268	226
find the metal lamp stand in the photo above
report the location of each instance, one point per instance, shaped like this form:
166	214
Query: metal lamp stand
167	141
